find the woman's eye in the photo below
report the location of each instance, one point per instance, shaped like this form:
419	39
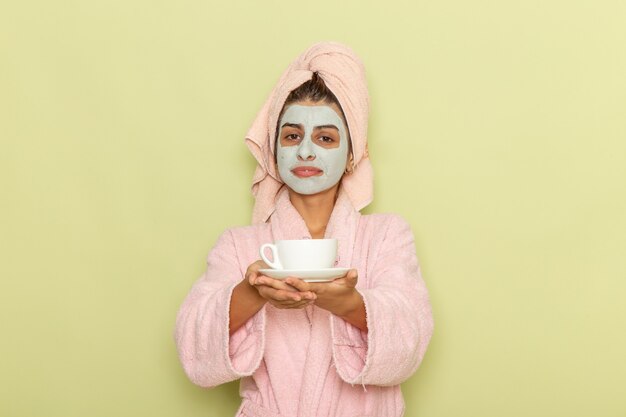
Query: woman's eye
293	136
327	139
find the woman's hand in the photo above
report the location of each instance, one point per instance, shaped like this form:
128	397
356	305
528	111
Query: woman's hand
339	296
275	291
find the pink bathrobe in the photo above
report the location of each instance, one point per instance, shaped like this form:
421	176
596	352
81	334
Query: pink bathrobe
308	362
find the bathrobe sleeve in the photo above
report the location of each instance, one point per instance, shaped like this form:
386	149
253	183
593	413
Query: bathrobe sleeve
208	354
399	317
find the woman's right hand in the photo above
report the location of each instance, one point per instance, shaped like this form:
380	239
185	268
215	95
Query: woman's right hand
276	291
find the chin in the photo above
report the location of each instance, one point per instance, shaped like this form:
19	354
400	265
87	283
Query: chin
306	191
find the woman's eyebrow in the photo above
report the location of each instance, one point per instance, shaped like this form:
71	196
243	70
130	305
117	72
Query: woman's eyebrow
297	126
327	127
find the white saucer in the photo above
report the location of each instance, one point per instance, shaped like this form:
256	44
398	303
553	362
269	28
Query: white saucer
309	275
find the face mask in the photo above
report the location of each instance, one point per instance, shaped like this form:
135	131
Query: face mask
309	166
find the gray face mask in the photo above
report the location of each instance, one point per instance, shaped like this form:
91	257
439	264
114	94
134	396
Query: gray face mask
311	165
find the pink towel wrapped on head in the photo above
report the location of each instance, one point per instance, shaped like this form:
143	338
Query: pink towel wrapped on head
344	74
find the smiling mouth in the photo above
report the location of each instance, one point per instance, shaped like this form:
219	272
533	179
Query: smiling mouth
305	172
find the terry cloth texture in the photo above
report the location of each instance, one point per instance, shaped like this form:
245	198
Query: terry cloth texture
308	362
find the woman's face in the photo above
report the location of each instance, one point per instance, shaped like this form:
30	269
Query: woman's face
312	146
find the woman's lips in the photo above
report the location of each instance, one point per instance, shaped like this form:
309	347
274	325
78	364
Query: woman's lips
305	172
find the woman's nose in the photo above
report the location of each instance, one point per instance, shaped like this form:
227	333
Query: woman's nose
305	150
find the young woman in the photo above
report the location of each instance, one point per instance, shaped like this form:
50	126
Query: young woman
338	348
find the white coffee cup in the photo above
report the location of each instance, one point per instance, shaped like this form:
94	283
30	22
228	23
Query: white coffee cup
301	254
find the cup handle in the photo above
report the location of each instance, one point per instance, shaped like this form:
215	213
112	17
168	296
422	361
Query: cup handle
272	264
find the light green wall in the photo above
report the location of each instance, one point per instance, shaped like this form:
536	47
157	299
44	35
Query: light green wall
497	129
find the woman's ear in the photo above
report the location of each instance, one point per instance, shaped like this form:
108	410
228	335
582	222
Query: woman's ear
350	164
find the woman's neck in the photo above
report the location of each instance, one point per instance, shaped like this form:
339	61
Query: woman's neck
315	209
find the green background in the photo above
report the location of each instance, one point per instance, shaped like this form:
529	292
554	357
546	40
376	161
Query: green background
497	130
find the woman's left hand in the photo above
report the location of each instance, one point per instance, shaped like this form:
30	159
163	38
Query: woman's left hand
339	296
